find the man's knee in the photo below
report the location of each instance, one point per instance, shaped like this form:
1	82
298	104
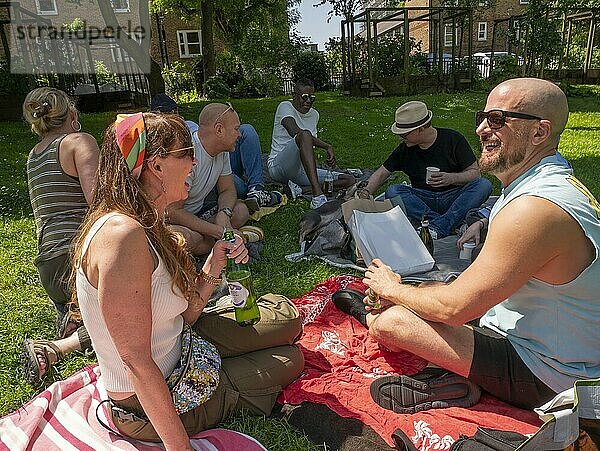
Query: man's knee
391	327
196	243
304	139
240	214
248	133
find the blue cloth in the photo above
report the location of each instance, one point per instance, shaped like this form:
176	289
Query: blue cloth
444	209
555	329
246	162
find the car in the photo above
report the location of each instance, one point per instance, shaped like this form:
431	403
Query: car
482	61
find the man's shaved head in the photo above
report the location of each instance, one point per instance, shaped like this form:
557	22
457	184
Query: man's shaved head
537	97
211	112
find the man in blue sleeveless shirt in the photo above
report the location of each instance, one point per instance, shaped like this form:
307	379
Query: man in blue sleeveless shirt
536	282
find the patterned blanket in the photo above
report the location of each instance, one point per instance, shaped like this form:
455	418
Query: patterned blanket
63	417
342	361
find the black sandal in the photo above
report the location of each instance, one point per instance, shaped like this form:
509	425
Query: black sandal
31	364
432	388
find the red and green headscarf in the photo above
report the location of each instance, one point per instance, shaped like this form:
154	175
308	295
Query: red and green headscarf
130	131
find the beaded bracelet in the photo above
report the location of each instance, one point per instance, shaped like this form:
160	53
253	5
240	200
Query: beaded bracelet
210	279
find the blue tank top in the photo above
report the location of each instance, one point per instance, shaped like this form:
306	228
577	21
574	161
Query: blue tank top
555	329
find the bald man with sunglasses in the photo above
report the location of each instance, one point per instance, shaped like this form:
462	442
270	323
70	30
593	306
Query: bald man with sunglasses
536	282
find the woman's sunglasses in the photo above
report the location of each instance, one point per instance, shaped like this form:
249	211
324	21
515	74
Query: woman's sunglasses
497	118
180	153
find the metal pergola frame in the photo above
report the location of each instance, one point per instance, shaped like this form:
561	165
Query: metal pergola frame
436	16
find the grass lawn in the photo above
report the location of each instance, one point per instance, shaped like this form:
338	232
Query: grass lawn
359	132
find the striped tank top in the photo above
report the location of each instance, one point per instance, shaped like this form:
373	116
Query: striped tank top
57	199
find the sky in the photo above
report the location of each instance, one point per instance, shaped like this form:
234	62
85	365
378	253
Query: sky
313	23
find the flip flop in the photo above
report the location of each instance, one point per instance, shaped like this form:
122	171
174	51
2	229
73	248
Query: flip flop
29	358
432	388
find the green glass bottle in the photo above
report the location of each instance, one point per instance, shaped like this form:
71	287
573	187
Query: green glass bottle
425	234
239	280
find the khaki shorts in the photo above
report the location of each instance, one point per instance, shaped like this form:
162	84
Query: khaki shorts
257	362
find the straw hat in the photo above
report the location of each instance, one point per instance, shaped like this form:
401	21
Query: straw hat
410	116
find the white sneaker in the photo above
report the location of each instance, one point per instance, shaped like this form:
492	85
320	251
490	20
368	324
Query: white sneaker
295	190
317	201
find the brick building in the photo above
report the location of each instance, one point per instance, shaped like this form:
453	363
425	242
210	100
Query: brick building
172	38
483	22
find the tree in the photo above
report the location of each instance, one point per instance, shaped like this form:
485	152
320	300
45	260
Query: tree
234	21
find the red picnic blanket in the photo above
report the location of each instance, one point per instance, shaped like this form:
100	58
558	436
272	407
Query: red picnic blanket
342	361
63	417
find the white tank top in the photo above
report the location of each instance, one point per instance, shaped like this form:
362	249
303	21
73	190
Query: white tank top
167	322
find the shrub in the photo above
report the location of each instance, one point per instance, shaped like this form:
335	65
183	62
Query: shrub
258	83
230	68
12	83
216	88
103	75
179	79
312	65
505	67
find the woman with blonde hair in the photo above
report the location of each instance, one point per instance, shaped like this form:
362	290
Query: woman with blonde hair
169	369
60	176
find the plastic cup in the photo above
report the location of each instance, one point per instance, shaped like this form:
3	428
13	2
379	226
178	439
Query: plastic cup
465	252
430	170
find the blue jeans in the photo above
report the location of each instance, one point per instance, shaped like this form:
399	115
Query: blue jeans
444	209
246	162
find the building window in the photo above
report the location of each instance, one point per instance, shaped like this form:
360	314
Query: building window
46	7
190	43
448	35
524	2
482	31
120	6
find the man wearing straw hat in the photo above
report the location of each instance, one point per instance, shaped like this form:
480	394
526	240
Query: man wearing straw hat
443	171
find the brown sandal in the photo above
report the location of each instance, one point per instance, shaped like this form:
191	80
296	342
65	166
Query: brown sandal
29	358
68	325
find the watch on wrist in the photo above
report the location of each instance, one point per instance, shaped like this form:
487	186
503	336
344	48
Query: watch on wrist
228	211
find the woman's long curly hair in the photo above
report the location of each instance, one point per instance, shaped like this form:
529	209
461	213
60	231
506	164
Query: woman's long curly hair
118	191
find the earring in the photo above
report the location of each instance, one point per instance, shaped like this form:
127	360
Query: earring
76	125
162	184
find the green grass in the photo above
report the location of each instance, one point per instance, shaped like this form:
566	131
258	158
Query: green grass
359	132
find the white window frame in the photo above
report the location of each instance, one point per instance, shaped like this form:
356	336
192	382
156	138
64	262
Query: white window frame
523	2
182	41
122	10
48	12
448	42
482	36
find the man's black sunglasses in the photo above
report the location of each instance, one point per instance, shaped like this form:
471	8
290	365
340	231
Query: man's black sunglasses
497	118
308	97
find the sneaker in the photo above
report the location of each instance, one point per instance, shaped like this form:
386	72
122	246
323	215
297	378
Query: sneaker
252	234
264	198
294	190
318	201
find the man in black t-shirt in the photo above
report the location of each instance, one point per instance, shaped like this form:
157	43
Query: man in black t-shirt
447	194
